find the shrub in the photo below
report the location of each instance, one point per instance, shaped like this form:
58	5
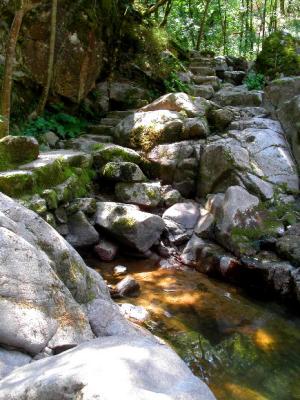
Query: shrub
174	84
255	81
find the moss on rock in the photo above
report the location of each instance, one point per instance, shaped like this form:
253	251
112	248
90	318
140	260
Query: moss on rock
278	56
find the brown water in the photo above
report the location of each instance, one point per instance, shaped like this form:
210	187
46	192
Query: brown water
243	348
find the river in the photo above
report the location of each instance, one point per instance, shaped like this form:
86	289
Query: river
243	348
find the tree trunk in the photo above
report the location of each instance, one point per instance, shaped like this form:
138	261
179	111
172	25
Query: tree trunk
8	70
167	13
45	93
202	26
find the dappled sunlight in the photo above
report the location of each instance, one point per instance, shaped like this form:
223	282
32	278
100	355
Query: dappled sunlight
264	340
243	393
235	343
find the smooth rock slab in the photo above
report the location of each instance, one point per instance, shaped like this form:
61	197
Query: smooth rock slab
108	368
10	360
130	226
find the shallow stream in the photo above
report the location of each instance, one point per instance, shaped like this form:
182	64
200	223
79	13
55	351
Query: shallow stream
245	349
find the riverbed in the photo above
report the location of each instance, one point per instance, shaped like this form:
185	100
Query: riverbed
243	348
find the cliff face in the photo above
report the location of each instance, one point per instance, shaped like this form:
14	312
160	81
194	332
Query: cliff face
85	32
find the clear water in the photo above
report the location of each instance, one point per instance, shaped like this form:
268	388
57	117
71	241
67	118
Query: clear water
243	348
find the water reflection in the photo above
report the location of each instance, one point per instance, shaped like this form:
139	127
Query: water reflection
244	349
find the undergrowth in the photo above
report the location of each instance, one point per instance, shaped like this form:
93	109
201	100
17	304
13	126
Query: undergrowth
66	126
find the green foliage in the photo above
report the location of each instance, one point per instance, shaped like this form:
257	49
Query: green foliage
278	56
66	126
174	84
255	81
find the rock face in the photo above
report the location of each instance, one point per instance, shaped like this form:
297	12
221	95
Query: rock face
43	310
257	157
130	226
80	41
92	365
282	98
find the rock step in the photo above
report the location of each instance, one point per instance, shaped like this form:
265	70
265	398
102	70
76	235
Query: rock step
239	97
202	62
119	114
110	121
203	71
50	169
100	129
207	80
86	143
244	113
205	91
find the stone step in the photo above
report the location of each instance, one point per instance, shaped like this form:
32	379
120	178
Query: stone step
119	114
110	121
203	71
87	143
239	96
203	62
205	91
100	129
207	80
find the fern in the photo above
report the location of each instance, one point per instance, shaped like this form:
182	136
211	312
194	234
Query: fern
66	126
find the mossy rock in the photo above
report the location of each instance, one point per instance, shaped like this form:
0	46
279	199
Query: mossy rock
114	153
16	150
17	183
123	172
278	56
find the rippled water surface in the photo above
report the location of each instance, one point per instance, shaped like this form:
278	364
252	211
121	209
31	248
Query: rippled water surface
244	349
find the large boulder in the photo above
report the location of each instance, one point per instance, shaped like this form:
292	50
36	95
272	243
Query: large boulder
288	246
142	194
278	56
257	157
15	150
132	227
282	98
238	96
177	164
289	116
281	90
43	309
141	368
180	102
104	153
146	129
180	220
122	172
81	232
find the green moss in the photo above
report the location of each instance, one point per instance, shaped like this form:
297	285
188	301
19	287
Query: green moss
146	137
104	154
123	224
278	56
